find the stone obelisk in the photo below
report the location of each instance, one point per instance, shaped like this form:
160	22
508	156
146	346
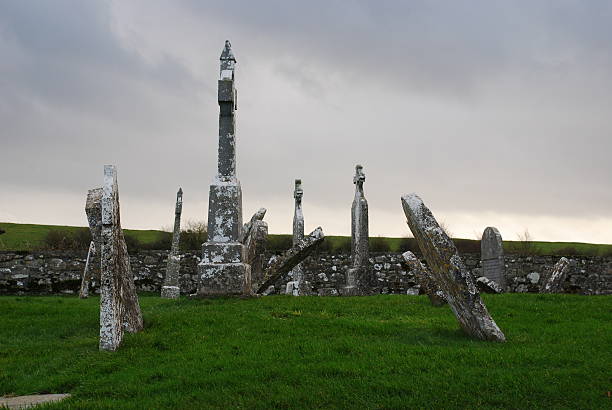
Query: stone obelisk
295	287
223	270
357	274
171	289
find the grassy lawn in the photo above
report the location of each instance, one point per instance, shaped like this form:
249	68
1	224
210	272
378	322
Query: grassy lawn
312	352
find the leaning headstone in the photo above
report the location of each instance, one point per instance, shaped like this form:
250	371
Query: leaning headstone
553	283
449	272
223	270
119	307
294	287
255	236
492	256
358	274
170	289
424	279
93	210
287	261
486	285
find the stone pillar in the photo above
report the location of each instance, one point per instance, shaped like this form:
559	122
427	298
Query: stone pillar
223	270
449	272
119	307
492	256
358	275
297	273
171	289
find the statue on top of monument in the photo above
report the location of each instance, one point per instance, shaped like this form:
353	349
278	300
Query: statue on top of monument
228	61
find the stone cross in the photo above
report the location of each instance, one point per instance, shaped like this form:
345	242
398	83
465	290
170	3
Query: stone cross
93	211
295	287
223	270
171	289
358	275
492	256
119	307
449	272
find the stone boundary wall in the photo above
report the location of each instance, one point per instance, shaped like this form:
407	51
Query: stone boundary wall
60	272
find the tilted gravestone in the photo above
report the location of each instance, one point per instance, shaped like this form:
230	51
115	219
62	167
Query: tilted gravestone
449	272
287	261
424	279
358	275
492	256
119	307
93	211
223	270
553	282
254	237
296	286
171	289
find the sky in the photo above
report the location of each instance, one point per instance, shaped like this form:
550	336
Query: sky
497	113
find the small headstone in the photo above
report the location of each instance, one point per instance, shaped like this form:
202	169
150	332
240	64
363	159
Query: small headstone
424	278
553	283
449	272
171	289
254	237
93	210
492	256
119	307
358	275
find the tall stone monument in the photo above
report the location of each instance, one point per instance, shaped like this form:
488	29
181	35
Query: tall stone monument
297	273
492	256
119	306
223	270
171	289
357	275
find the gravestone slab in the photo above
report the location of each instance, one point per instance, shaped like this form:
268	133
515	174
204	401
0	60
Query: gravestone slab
424	279
170	289
553	283
492	256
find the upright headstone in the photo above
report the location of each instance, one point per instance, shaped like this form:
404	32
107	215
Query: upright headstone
358	275
553	282
254	238
223	270
424	279
297	274
171	289
93	210
492	256
119	307
449	272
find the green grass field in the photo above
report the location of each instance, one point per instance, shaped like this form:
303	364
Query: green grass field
312	352
27	237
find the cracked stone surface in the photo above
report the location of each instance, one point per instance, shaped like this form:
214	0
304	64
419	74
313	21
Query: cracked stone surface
492	256
285	262
554	280
171	289
449	272
223	270
358	276
119	306
424	279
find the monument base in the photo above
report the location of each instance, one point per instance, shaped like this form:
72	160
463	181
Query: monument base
170	292
224	279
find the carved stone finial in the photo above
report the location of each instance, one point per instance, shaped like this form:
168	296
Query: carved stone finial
298	193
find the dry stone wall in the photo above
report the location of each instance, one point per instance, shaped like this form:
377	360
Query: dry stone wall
60	272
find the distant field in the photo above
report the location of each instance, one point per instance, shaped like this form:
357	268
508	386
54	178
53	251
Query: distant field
27	237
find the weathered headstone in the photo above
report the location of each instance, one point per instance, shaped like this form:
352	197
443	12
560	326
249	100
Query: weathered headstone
449	272
223	270
424	279
358	275
287	261
487	285
294	287
492	256
93	210
119	307
171	289
553	282
254	237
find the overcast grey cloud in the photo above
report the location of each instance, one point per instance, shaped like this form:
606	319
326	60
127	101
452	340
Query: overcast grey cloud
496	112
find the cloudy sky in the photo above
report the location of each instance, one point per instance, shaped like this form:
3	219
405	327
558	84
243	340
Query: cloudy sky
495	112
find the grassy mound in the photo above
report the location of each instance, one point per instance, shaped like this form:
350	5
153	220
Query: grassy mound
310	352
